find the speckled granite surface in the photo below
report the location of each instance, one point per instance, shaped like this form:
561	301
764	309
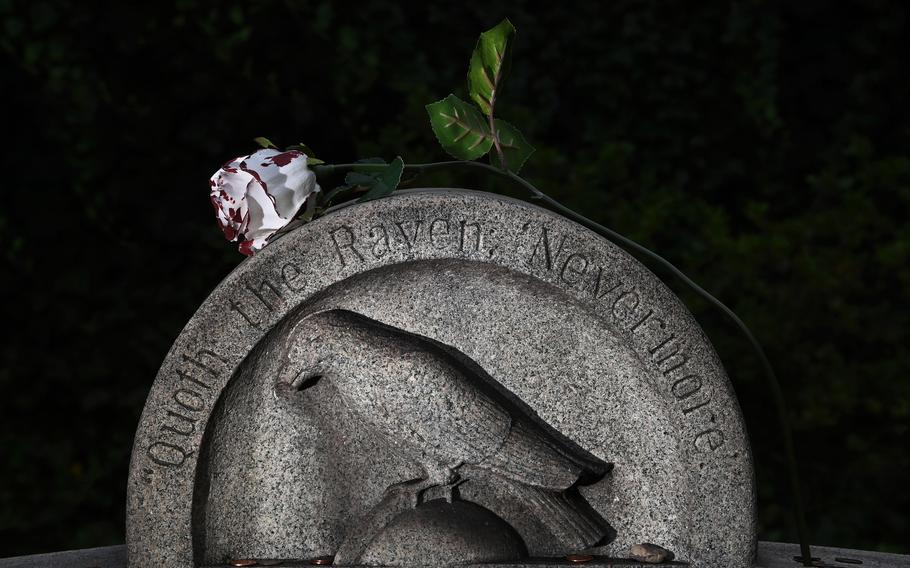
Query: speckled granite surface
770	555
577	330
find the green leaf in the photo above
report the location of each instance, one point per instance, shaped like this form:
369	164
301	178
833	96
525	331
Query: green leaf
311	159
332	194
301	147
515	147
460	128
368	161
489	64
310	210
358	178
386	180
264	142
379	181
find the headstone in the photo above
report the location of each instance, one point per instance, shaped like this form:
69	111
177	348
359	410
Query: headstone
441	377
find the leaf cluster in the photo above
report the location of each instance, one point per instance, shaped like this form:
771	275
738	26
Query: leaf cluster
469	132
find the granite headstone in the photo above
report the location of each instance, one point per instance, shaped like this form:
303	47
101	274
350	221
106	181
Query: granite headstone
441	377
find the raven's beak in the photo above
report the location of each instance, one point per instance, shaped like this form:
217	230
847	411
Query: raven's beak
287	370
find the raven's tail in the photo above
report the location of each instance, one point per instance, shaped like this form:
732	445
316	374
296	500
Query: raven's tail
565	513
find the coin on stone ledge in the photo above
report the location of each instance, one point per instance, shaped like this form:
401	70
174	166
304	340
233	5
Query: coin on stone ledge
579	558
322	560
243	562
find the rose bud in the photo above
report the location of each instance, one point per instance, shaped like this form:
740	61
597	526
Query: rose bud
256	195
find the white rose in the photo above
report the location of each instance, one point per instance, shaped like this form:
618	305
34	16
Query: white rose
256	195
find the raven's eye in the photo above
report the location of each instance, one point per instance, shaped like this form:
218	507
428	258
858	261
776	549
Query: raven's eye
307	382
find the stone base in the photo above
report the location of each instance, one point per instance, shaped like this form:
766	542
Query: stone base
530	563
780	555
770	555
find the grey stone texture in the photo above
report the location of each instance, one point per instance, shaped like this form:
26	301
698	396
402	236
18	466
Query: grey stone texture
440	533
566	335
770	555
100	557
435	407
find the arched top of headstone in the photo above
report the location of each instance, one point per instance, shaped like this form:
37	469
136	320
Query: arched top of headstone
596	354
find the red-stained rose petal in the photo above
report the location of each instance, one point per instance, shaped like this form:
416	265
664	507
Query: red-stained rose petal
246	248
254	196
285	158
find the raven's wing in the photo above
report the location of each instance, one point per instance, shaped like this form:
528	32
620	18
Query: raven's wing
440	410
532	457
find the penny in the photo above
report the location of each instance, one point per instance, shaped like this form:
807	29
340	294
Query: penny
579	558
322	560
243	562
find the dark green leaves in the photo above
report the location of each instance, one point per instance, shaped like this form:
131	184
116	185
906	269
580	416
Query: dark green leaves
311	158
515	148
489	64
301	147
468	133
462	131
378	178
371	174
264	142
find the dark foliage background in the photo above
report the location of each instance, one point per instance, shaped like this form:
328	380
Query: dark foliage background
764	147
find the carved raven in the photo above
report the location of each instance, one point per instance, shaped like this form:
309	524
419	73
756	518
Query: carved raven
440	409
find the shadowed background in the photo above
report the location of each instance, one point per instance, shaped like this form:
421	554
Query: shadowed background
762	147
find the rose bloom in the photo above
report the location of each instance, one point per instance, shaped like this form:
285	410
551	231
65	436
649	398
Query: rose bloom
256	195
